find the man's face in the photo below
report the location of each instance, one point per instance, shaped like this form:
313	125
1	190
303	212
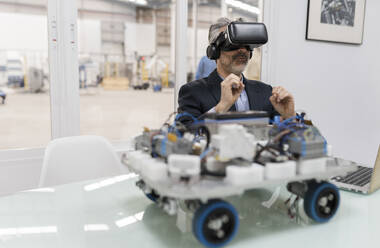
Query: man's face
234	61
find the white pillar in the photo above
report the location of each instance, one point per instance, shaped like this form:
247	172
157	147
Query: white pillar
172	36
154	18
195	36
63	66
223	8
261	8
269	50
180	47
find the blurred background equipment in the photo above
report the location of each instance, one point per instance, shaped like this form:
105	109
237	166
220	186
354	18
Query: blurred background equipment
3	96
158	72
15	73
116	76
141	81
89	74
3	76
35	80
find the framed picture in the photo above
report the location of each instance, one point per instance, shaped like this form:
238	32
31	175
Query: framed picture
336	20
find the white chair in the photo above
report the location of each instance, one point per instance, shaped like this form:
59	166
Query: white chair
78	158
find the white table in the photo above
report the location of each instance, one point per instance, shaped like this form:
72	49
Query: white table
115	213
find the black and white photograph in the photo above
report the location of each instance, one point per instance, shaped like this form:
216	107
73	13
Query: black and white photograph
338	12
336	20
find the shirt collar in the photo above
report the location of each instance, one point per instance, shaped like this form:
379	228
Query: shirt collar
242	77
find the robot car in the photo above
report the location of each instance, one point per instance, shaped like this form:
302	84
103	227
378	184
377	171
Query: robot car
191	165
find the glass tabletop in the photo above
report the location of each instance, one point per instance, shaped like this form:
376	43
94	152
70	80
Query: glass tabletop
115	213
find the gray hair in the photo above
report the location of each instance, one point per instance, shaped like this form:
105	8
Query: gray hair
214	30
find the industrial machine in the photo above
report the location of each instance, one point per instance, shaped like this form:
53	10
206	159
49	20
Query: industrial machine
3	96
35	80
15	72
89	74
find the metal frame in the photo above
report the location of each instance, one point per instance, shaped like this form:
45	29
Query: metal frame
180	47
63	65
195	36
223	8
269	18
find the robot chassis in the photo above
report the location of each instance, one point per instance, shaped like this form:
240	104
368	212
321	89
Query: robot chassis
188	169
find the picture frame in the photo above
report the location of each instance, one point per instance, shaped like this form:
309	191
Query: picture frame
339	21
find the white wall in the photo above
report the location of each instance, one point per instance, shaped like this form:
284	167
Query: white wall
29	32
89	36
202	44
140	38
338	84
23	32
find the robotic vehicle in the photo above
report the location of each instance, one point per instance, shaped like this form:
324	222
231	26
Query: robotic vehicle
191	168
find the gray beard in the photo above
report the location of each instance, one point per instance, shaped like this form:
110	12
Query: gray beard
237	70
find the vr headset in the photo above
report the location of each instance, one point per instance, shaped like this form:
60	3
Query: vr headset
238	34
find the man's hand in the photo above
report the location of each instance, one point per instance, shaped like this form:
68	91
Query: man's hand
231	88
283	102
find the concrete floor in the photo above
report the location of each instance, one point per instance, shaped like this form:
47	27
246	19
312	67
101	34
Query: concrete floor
116	115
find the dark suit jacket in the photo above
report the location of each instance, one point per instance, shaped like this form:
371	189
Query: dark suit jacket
199	96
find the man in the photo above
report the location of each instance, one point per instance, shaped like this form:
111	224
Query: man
226	89
205	67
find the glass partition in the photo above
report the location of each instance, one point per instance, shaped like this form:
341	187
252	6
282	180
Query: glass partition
126	64
24	84
124	67
208	12
250	11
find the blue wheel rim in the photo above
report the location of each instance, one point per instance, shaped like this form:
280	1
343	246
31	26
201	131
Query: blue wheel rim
151	197
312	197
201	216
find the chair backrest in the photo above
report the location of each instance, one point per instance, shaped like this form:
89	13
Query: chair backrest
78	158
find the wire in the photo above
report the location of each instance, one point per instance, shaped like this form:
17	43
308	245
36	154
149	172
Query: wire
186	114
284	129
168	119
212	173
207	132
264	148
204	154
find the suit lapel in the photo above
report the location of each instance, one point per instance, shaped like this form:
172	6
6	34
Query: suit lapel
213	85
253	94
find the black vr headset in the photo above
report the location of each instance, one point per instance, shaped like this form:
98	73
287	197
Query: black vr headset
238	34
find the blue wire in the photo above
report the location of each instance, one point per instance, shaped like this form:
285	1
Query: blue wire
204	153
185	114
172	127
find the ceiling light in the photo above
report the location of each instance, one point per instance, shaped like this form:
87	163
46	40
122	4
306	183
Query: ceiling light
138	2
243	6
